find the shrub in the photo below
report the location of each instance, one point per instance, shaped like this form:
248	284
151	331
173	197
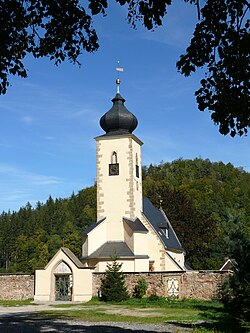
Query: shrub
236	289
113	286
153	297
140	288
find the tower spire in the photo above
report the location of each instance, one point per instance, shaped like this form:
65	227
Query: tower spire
118	70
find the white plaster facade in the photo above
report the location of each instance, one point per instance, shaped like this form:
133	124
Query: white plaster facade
120	203
128	226
64	263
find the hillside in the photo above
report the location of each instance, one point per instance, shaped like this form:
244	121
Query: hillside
203	200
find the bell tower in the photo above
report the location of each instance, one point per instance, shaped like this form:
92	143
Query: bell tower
118	168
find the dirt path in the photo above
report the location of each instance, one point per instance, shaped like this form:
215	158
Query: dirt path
24	319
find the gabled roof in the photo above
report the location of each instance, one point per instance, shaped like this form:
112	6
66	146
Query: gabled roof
136	226
72	257
114	249
158	219
229	265
93	226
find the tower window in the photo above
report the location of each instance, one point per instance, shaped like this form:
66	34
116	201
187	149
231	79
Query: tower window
137	170
114	165
114	158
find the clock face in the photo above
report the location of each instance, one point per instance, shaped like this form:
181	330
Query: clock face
114	169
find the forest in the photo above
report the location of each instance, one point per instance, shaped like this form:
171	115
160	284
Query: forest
206	202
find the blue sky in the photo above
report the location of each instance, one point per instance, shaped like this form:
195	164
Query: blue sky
49	121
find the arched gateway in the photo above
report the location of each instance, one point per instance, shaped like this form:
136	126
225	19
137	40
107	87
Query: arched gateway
63	282
63	279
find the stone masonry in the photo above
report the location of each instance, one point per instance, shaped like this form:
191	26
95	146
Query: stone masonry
16	287
190	285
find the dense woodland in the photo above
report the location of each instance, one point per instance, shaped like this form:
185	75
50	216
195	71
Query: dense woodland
204	201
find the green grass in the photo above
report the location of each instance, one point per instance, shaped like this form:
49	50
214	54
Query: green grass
148	302
199	316
12	303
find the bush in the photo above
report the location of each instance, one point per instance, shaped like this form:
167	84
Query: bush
154	297
236	289
140	288
113	286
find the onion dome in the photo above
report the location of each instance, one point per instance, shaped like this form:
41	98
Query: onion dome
118	120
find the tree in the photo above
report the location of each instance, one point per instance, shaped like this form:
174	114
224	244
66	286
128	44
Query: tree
220	43
113	286
72	238
236	290
140	288
200	199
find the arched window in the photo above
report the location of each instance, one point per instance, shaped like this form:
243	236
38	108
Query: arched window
114	165
137	170
114	158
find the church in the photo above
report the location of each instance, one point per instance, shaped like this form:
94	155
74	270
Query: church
128	227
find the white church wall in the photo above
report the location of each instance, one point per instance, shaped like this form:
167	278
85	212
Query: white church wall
155	247
137	181
170	264
97	237
116	193
178	257
85	246
141	265
140	243
129	237
127	265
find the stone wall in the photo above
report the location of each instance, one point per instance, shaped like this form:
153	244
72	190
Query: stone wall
202	284
16	286
191	285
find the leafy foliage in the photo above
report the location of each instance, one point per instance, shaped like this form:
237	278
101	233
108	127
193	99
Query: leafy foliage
220	43
236	290
201	200
113	286
35	27
140	288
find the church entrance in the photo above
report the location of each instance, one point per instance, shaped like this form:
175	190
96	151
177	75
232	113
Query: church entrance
63	282
63	288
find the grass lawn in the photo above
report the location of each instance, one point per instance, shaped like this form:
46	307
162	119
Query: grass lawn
199	316
11	303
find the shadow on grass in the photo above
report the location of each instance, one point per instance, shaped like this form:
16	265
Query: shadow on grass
215	318
31	323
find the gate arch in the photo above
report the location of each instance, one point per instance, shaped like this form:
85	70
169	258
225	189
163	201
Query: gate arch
63	282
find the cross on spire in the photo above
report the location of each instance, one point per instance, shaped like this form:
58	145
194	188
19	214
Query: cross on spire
118	70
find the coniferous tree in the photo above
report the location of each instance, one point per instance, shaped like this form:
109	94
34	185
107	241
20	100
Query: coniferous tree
113	286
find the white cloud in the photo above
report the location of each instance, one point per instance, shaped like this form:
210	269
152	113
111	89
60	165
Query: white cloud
28	178
177	28
49	138
27	119
19	186
5	145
